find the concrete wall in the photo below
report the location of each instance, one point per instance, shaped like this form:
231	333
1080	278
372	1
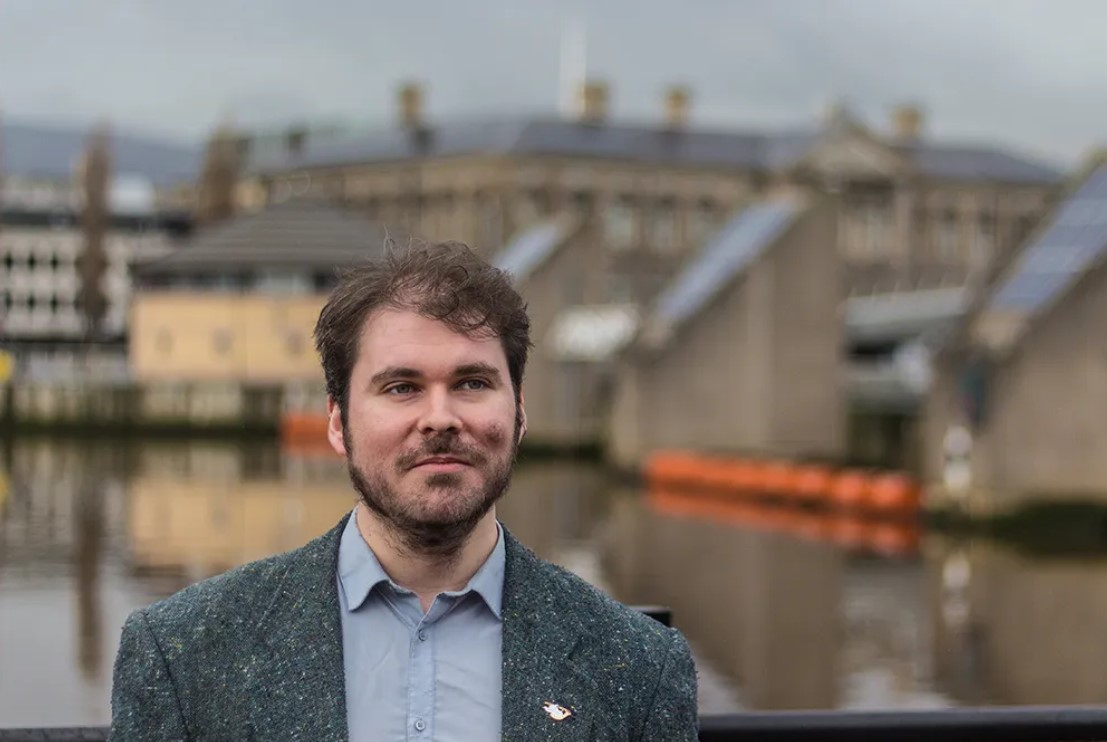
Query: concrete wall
558	395
1044	434
185	336
757	370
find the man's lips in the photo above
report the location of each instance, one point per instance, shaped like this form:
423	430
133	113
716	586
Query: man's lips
441	461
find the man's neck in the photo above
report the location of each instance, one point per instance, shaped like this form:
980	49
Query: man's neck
427	576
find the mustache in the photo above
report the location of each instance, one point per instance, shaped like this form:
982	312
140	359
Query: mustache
441	445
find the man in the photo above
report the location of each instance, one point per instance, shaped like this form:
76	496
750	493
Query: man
418	617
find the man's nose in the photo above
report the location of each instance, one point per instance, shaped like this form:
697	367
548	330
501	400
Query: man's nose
439	413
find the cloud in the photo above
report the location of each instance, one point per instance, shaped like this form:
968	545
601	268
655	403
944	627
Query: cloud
1024	72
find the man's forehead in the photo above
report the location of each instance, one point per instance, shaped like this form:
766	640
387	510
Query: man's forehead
392	338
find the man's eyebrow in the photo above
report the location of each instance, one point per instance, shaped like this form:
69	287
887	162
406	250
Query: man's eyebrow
405	372
471	369
395	372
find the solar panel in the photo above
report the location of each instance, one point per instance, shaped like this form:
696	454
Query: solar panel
526	251
739	243
1076	238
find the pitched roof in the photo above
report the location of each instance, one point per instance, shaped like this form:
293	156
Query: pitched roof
1070	242
299	233
531	247
725	256
52	152
770	150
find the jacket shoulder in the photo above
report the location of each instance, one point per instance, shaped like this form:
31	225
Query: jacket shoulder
224	609
587	609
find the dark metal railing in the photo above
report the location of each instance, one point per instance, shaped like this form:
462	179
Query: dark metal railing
1016	724
1034	724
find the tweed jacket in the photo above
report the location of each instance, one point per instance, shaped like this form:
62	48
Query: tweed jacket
256	654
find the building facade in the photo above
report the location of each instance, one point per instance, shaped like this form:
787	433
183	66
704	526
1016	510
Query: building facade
1017	403
742	352
238	303
915	213
41	241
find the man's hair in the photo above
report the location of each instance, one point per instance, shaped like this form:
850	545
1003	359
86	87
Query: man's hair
443	281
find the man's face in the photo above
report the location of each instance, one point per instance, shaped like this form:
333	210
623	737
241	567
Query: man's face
432	427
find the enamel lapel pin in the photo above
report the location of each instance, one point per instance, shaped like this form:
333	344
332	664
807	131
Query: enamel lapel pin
556	712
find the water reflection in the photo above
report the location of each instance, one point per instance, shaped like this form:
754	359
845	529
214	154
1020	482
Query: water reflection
779	615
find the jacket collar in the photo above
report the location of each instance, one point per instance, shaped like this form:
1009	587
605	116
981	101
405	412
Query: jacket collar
299	679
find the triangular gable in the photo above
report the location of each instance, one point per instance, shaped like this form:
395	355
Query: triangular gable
852	152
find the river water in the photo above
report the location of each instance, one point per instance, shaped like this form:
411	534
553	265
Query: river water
782	612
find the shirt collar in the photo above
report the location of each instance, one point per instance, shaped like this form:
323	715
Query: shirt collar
360	572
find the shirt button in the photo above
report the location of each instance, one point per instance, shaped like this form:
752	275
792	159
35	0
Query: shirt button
420	725
422	635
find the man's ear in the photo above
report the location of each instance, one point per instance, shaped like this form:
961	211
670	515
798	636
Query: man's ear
522	418
334	427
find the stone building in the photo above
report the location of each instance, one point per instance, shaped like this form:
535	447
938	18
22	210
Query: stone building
239	302
1025	374
742	352
915	213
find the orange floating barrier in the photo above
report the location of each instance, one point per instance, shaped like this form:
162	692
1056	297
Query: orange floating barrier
894	493
813	483
303	427
849	490
778	478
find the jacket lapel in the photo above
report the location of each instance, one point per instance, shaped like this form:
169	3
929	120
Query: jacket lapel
540	635
299	685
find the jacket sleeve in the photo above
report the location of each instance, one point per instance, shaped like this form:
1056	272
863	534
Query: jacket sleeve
674	715
144	704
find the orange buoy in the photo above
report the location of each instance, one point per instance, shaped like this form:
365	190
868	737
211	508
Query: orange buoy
777	478
894	493
849	490
813	483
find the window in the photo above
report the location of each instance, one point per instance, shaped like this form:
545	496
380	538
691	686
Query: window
491	227
294	344
984	237
663	227
529	209
163	341
221	341
620	225
872	218
945	235
275	282
702	222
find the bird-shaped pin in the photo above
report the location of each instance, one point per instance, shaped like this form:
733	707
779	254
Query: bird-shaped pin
556	712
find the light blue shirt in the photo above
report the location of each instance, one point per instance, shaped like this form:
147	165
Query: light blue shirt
415	676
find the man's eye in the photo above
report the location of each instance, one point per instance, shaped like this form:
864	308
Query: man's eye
473	385
400	389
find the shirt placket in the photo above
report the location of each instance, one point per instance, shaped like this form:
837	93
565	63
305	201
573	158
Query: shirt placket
420	710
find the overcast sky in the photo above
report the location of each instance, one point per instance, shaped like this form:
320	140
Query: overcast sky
1031	74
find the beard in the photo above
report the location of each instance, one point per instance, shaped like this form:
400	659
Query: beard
420	526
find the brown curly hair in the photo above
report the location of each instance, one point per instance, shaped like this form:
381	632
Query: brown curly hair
444	281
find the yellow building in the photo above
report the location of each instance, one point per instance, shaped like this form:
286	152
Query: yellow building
239	302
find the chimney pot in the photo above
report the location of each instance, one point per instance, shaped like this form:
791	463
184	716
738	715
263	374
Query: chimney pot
410	98
677	100
593	102
907	122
